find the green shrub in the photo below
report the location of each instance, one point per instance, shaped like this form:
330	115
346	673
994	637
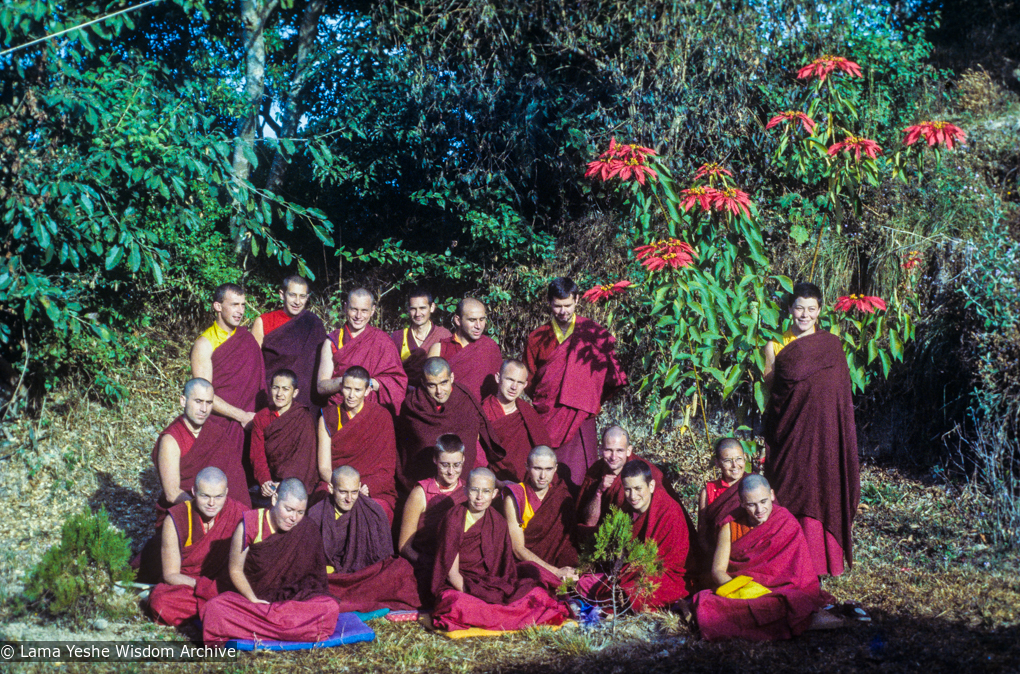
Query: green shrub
77	576
624	560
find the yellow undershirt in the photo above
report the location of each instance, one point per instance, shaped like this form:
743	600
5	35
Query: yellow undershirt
529	512
471	518
777	346
217	335
561	336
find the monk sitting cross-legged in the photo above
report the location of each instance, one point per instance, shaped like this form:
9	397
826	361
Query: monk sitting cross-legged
414	341
283	438
767	587
278	567
540	515
363	574
718	499
364	345
473	357
359	433
195	548
516	424
476	580
442	406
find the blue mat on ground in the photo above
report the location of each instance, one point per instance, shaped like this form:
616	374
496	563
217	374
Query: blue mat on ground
349	630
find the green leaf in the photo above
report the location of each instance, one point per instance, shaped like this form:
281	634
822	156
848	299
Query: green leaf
113	256
800	234
896	345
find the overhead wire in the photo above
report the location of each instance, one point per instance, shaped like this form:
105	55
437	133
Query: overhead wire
11	50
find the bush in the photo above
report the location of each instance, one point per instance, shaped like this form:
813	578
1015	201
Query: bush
77	576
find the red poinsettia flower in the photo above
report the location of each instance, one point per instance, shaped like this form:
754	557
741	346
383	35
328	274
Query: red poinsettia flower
632	169
702	196
823	66
733	200
856	145
601	169
792	116
864	303
911	260
666	253
936	133
599	293
627	152
711	170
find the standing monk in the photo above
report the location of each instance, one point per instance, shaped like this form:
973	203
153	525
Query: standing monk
359	434
358	343
515	422
290	338
574	369
810	436
414	341
195	548
473	356
227	355
283	438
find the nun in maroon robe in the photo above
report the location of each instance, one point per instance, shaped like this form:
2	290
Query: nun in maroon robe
474	366
723	506
548	523
204	556
774	554
414	355
292	343
496	596
373	350
518	433
811	458
569	383
365	442
362	572
284	445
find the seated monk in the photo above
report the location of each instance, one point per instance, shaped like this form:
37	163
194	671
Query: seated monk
283	438
363	574
476	581
290	338
440	407
540	515
414	341
515	422
359	433
195	548
717	500
278	568
473	356
364	345
766	583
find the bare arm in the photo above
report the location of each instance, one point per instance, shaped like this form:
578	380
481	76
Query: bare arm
325	452
326	385
770	364
435	350
454	576
258	330
592	510
201	366
170	551
517	539
239	553
721	559
168	462
413	509
702	503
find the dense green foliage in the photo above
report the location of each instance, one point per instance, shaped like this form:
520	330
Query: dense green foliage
615	552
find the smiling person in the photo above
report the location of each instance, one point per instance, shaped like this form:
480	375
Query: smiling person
719	498
573	366
516	424
810	436
766	585
283	438
414	341
476	580
290	338
472	355
278	568
364	345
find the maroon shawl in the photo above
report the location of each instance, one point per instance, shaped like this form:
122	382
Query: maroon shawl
487	561
372	350
367	444
811	459
206	553
290	444
420	424
355	540
474	366
549	534
517	433
286	566
668	524
614	495
419	354
295	346
424	542
724	508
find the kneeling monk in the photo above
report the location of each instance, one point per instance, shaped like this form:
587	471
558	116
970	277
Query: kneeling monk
475	579
767	584
363	574
278	567
195	549
283	438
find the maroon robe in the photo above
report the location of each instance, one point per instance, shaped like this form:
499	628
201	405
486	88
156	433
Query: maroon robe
367	444
811	460
437	504
204	557
725	506
418	353
421	423
295	346
569	383
549	534
774	554
614	496
517	433
284	446
668	524
496	596
359	546
474	366
374	351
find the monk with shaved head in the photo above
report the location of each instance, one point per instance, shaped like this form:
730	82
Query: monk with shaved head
517	425
362	344
195	546
472	355
718	499
414	341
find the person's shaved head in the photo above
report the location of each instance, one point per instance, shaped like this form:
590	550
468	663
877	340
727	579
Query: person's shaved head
345	485
480	475
197	401
752	482
290	502
481	489
722	444
292	488
614	432
730	459
361	293
349	472
616	449
435	367
513	362
209	492
470	319
296	281
210	476
542	452
196	383
467	304
357	372
757	498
